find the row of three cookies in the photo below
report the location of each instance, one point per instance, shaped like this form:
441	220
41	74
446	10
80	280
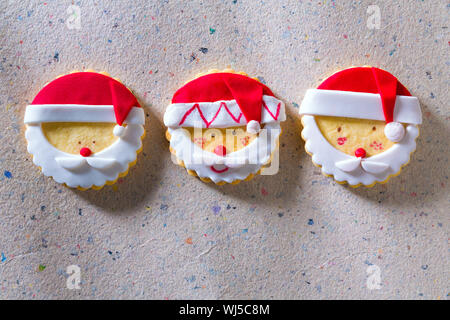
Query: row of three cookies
85	129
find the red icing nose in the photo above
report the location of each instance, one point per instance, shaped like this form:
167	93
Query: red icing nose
220	150
360	153
85	152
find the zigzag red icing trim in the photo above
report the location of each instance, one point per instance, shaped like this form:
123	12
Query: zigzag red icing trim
197	106
277	113
223	104
224	86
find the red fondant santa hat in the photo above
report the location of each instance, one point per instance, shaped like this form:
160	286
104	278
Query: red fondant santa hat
221	100
365	93
85	97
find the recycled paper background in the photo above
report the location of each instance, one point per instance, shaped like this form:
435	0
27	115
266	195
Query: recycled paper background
162	234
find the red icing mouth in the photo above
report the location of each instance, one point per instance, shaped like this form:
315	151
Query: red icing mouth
219	171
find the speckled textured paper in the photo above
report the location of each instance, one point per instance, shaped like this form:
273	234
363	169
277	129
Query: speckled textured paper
162	234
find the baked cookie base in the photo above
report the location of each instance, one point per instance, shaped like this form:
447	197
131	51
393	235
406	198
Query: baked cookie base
121	174
193	173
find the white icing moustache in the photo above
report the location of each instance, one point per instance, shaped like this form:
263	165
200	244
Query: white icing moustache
250	154
79	162
367	165
211	159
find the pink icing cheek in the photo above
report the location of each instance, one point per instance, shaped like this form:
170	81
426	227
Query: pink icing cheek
341	141
200	142
245	140
377	146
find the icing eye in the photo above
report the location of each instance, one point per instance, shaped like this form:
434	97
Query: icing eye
339	129
79	142
93	142
213	135
374	128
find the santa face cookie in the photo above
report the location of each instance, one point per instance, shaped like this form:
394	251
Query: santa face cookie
84	129
224	127
360	125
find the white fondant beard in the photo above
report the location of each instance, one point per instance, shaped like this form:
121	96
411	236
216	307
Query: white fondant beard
344	167
77	171
236	165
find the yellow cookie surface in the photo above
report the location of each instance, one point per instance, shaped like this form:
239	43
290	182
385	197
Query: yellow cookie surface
349	134
70	137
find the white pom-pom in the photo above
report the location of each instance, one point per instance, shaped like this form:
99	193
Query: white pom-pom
394	131
119	131
253	127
